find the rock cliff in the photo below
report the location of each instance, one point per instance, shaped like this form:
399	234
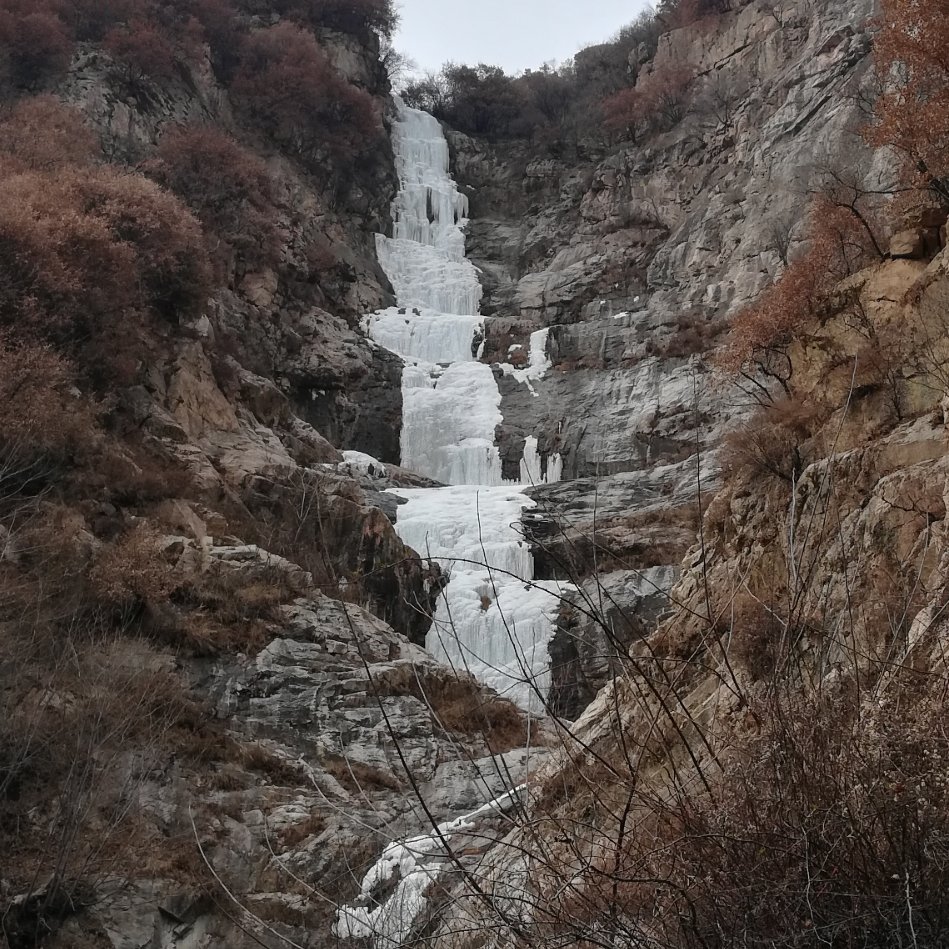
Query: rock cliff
635	255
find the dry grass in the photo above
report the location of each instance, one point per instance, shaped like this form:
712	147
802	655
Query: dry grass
296	834
276	768
357	776
464	706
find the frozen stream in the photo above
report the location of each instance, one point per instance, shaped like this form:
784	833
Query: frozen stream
492	621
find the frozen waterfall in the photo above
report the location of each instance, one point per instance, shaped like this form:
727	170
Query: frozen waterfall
493	619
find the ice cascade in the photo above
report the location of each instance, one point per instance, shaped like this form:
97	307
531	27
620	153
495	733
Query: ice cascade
493	620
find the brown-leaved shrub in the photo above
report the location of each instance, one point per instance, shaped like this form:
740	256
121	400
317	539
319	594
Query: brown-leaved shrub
288	84
92	259
840	243
141	50
36	45
227	187
912	115
41	132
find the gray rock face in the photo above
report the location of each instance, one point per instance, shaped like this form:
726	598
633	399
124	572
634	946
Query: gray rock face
330	739
634	256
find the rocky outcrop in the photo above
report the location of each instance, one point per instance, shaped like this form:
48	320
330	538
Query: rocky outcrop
329	739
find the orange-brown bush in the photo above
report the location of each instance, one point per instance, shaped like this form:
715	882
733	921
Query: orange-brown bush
287	83
132	571
141	50
90	258
35	44
44	423
839	244
41	133
912	115
626	112
227	187
658	101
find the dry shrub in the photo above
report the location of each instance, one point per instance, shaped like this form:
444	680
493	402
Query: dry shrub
41	133
840	243
288	84
462	705
90	20
91	259
224	610
295	834
137	475
912	115
227	187
658	101
80	729
359	776
36	46
277	768
824	822
45	425
132	571
774	442
694	334
141	50
754	634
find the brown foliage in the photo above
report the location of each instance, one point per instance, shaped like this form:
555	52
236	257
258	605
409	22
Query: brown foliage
912	115
90	257
132	571
658	101
92	19
839	244
288	84
41	133
229	189
44	423
358	776
35	45
142	50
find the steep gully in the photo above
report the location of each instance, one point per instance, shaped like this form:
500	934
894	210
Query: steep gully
493	620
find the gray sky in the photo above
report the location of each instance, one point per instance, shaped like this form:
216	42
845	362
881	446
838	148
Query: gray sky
515	34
